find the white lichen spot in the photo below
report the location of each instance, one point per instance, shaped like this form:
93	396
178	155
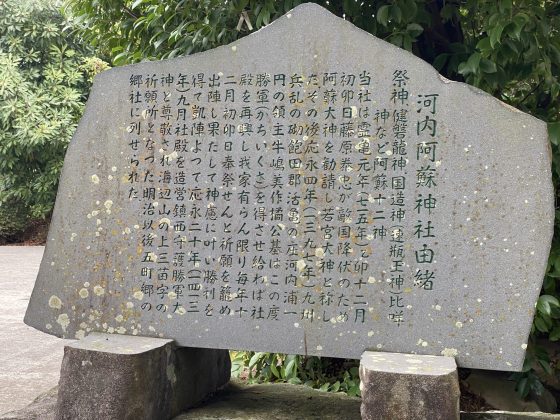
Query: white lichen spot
95	179
301	265
119	318
234	48
379	346
55	302
48	326
138	295
114	169
172	295
524	346
121	330
73	236
370	334
63	321
98	290
437	307
127	230
165	220
98	222
371	280
449	352
152	329
80	334
459	324
319	348
129	305
108	204
83	293
180	311
319	252
296	324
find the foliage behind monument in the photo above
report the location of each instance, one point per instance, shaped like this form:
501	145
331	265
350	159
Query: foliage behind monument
45	77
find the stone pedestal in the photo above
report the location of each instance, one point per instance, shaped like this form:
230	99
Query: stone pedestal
118	377
407	387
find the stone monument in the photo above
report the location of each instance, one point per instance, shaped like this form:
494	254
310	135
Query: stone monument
307	189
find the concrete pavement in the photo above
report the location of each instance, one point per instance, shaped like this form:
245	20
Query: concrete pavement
29	359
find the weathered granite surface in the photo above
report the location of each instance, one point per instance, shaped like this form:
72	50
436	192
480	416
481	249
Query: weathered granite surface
112	376
492	223
408	387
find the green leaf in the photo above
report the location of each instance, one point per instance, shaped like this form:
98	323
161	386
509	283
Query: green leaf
471	66
255	359
274	370
554	133
496	34
291	370
136	4
484	44
554	334
523	388
396	13
335	386
324	387
488	66
414	29
440	61
541	324
383	15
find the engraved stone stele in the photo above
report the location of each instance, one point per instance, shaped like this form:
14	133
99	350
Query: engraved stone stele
307	189
408	387
110	376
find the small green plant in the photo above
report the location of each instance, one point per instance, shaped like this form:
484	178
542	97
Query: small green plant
325	374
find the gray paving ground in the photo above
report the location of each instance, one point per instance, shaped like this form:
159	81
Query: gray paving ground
29	359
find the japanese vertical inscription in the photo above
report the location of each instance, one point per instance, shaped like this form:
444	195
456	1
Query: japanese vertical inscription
323	197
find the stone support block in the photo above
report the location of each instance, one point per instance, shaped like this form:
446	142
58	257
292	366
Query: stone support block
408	387
105	376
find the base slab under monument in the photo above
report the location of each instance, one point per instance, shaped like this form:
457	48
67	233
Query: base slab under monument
271	401
129	377
407	387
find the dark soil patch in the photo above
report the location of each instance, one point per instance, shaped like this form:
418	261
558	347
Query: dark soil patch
35	234
471	402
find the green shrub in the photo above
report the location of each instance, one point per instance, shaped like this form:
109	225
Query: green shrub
13	219
45	75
